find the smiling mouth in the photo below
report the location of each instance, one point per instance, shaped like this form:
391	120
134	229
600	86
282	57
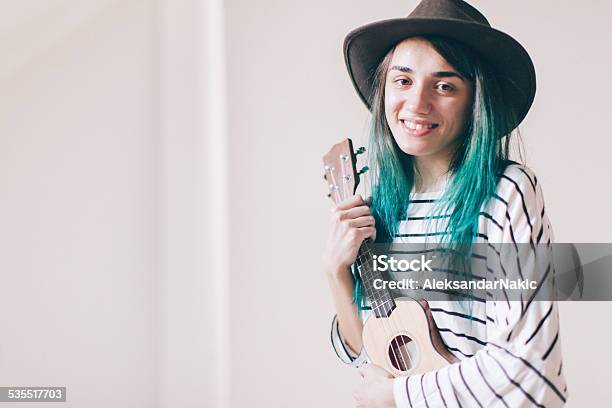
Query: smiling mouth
418	126
417	129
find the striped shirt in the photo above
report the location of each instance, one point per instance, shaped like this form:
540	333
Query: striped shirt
509	352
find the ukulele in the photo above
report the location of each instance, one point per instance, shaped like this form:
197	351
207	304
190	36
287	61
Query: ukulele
401	336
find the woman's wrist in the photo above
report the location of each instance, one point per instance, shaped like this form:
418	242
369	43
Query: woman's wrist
338	274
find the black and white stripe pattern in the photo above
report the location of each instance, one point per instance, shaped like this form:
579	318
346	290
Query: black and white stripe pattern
509	351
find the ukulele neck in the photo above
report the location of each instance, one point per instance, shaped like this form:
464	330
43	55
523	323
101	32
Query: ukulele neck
381	300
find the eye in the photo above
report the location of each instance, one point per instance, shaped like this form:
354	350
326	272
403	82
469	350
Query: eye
445	87
403	81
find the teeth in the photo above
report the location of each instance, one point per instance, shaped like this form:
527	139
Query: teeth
417	126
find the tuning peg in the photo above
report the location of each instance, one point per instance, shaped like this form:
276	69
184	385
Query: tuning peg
361	150
325	176
363	170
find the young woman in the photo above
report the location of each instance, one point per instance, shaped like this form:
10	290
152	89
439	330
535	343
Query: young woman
446	92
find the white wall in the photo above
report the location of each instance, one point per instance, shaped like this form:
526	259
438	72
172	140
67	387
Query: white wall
113	156
194	285
79	177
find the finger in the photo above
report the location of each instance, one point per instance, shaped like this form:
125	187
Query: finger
358	235
366	221
355	212
368	232
351	202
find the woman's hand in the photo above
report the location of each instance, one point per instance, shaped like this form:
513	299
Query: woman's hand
351	223
375	389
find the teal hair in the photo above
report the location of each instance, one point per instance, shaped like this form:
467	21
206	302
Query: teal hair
482	155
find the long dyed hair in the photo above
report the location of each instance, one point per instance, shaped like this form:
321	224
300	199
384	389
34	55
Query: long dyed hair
482	155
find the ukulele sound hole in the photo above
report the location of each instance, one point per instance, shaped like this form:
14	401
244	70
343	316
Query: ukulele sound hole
402	352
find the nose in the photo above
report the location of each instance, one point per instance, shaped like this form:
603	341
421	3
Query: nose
417	100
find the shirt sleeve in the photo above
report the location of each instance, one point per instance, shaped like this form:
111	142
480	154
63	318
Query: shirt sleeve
520	365
343	350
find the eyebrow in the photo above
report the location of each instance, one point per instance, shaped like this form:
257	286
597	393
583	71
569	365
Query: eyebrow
439	74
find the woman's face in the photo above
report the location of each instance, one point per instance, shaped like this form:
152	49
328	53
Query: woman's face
426	100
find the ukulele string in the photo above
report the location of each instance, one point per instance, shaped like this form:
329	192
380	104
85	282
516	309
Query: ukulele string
341	198
399	340
362	270
389	327
395	342
344	159
360	264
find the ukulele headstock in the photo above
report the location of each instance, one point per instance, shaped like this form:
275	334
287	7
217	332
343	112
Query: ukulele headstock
341	172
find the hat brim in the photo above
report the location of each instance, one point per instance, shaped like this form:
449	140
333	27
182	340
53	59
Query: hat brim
365	47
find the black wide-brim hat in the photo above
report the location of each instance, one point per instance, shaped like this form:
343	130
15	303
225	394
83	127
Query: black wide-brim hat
366	46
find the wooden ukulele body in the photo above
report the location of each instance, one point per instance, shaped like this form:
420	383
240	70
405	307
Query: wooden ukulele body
407	342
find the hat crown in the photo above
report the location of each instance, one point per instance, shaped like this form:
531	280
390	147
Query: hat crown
448	9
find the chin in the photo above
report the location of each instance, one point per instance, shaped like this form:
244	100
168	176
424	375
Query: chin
416	152
414	149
